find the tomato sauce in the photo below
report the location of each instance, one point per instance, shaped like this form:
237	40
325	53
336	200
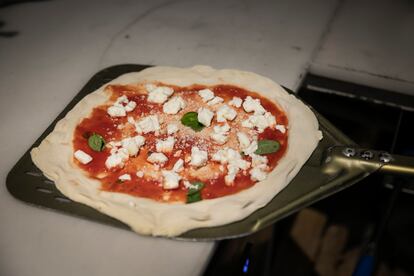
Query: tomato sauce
115	129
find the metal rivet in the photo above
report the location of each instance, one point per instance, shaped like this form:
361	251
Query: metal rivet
385	157
349	152
367	155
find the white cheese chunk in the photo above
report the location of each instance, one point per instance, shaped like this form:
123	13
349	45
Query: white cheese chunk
82	157
171	179
281	128
234	162
171	129
116	111
121	100
244	140
166	145
206	94
140	174
232	171
258	173
219	138
147	124
236	102
198	157
220	134
205	116
157	157
130	106
225	113
150	86
117	158
158	94
251	148
133	144
179	165
258	159
174	105
113	144
254	105
215	100
271	120
125	177
261	122
188	185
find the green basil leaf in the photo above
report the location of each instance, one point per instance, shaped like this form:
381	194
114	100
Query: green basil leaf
194	193
190	119
96	142
267	146
194	197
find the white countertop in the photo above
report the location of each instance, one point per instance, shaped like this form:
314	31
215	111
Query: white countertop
61	44
370	42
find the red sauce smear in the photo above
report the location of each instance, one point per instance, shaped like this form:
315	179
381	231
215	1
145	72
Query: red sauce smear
100	122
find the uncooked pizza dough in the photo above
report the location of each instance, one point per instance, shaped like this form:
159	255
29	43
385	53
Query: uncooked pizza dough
59	160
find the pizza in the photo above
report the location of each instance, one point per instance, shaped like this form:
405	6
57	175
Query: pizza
166	150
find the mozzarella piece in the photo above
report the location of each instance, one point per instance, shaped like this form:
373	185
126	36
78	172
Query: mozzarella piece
198	157
179	165
125	177
174	105
130	106
116	111
117	158
236	102
150	86
232	171
121	100
206	94
188	185
82	157
219	138
133	144
258	159
258	173
140	174
171	179
251	104
220	135
225	113
171	129
204	116
158	94
251	148
113	144
261	122
215	100
157	157
244	140
281	128
234	162
271	120
147	124
166	145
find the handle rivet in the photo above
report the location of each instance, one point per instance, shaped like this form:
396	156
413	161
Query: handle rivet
385	157
349	152
367	155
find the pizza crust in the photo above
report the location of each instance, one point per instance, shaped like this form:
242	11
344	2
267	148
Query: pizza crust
54	157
